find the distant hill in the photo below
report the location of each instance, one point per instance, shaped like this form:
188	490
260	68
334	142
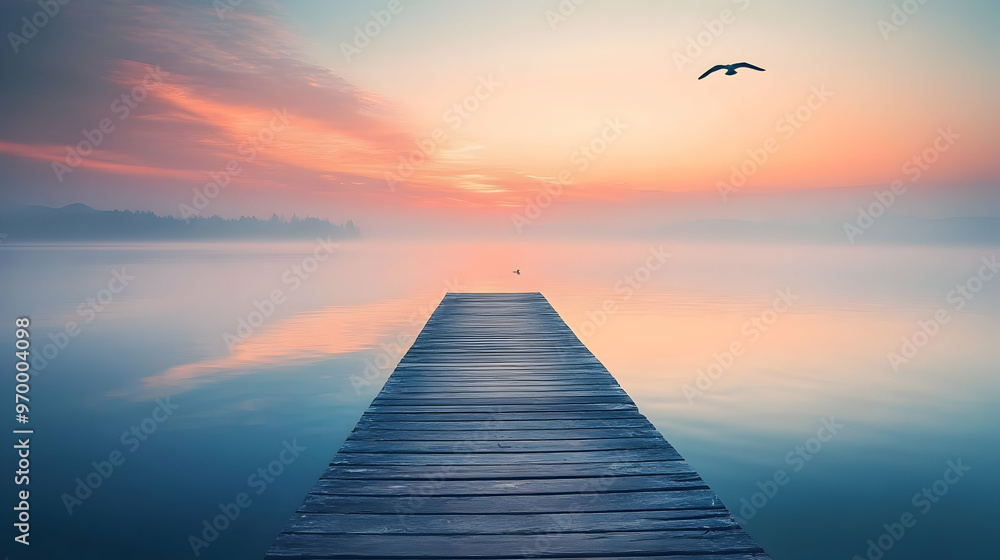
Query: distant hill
79	222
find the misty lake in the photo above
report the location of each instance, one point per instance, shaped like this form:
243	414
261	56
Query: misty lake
824	392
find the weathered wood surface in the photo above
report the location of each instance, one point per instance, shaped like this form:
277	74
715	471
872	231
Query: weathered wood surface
500	436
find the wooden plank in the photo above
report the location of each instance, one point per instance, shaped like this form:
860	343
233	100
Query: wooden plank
497	393
506	398
455	426
504	458
503	523
504	472
621	544
502	408
572	502
486	434
492	446
675	481
500	436
476	416
415	388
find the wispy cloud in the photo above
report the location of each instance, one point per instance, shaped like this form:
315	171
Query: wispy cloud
224	81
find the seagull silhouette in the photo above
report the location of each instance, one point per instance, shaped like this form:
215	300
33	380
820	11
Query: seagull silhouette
730	68
518	272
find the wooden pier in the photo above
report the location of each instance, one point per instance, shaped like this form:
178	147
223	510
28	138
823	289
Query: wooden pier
500	436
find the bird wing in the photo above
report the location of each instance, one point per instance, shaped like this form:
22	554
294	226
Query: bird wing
713	69
748	65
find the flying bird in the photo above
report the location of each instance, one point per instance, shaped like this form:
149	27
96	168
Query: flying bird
518	272
731	68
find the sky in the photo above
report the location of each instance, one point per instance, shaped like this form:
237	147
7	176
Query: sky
410	114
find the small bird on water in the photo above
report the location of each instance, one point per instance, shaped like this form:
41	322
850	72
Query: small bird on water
731	68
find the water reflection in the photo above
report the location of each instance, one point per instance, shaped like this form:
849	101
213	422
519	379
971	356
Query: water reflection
824	356
304	338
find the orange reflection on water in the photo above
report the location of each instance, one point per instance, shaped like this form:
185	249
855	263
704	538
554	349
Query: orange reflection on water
827	351
301	339
812	361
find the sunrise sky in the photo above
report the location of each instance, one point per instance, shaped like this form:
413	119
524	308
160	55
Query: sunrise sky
490	99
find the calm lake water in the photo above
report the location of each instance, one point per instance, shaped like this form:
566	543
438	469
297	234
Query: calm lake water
810	398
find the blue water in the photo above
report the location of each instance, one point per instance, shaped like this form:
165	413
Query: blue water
298	381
